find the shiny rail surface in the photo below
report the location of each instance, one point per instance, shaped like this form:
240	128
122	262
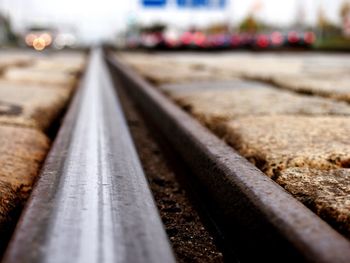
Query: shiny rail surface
262	221
92	202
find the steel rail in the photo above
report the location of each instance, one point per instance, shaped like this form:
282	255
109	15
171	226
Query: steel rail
262	220
92	202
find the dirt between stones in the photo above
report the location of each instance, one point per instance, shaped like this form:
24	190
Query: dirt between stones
190	239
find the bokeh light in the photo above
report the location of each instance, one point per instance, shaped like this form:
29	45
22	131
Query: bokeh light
39	44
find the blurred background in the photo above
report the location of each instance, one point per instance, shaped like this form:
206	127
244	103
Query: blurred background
177	24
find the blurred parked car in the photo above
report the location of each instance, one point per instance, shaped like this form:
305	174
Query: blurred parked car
197	40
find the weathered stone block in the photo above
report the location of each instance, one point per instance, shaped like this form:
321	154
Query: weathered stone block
275	143
326	192
22	151
31	105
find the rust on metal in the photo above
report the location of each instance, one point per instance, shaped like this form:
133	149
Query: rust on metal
262	220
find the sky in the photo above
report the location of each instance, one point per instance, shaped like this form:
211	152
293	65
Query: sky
101	19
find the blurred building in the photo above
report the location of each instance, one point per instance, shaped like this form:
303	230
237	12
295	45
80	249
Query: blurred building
3	31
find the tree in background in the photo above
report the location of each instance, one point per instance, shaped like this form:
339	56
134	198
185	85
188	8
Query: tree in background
7	35
252	25
217	28
249	24
326	29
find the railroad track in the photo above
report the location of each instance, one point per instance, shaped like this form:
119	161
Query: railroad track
92	202
259	218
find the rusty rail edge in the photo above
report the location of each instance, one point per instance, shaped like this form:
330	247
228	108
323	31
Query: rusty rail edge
92	202
264	222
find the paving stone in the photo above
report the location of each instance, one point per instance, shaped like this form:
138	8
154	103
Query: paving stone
9	203
178	68
73	63
161	70
262	68
326	192
337	87
266	69
14	59
213	107
40	76
31	105
235	65
22	151
275	143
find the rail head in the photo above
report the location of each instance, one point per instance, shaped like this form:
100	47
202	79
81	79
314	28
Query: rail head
92	202
266	220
